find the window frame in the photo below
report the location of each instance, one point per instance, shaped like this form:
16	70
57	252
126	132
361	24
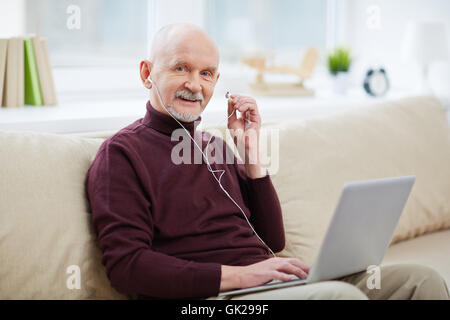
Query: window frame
159	14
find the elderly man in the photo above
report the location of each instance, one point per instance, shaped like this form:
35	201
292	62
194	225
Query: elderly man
168	231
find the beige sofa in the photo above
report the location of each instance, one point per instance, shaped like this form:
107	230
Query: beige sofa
45	230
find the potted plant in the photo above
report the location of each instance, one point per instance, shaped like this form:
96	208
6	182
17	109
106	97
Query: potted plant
339	61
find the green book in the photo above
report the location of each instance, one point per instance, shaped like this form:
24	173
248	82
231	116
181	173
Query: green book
33	95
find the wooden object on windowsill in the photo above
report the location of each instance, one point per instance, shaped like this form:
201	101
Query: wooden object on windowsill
304	71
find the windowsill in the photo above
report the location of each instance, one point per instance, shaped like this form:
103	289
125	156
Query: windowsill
67	117
114	114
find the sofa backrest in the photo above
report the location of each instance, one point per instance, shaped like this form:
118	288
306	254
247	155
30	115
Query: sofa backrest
45	226
396	138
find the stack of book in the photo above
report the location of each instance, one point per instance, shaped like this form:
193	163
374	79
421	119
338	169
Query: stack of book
25	72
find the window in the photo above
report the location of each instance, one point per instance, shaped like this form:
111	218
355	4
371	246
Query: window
90	32
95	46
100	56
282	25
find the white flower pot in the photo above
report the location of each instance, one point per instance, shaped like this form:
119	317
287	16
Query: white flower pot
341	83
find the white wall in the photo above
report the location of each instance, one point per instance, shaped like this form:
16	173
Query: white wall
12	18
383	45
163	12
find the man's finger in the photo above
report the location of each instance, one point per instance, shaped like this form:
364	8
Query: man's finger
293	269
231	104
276	275
241	97
247	106
245	99
253	117
300	264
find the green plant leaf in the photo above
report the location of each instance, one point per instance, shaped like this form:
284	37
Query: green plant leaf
339	60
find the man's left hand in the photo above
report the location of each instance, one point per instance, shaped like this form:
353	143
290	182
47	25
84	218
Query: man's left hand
245	133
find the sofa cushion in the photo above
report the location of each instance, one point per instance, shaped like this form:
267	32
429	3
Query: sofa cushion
431	250
44	219
396	138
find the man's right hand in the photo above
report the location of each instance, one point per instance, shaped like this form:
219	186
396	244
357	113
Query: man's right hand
237	277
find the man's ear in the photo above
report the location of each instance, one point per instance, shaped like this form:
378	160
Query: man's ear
145	68
218	76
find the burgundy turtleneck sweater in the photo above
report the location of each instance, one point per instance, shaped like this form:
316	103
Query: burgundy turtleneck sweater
165	229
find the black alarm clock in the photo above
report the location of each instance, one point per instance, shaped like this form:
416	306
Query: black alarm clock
376	82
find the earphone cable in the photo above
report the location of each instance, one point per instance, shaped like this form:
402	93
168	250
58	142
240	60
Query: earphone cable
210	168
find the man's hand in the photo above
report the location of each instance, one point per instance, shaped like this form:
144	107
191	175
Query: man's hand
245	133
262	272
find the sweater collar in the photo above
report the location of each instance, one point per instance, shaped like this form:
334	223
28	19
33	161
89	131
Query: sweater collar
165	123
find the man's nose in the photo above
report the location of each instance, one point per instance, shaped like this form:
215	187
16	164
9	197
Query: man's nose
193	83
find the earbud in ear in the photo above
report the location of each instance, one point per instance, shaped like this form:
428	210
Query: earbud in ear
149	85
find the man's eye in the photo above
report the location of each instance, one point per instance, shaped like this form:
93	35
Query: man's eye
180	69
206	73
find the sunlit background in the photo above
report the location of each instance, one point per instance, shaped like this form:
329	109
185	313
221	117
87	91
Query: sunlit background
97	57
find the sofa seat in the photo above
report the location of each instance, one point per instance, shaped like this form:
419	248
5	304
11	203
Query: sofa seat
431	249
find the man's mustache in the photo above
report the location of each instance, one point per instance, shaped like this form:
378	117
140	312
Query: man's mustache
185	94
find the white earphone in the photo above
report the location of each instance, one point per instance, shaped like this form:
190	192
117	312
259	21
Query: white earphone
151	82
207	161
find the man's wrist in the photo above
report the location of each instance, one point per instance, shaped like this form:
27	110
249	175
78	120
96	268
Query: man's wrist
230	278
255	171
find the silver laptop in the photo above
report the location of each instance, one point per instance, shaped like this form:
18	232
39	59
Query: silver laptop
359	233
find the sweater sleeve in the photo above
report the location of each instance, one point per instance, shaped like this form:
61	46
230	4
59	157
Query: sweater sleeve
265	209
122	219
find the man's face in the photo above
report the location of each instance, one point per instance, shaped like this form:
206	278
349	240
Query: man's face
186	75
